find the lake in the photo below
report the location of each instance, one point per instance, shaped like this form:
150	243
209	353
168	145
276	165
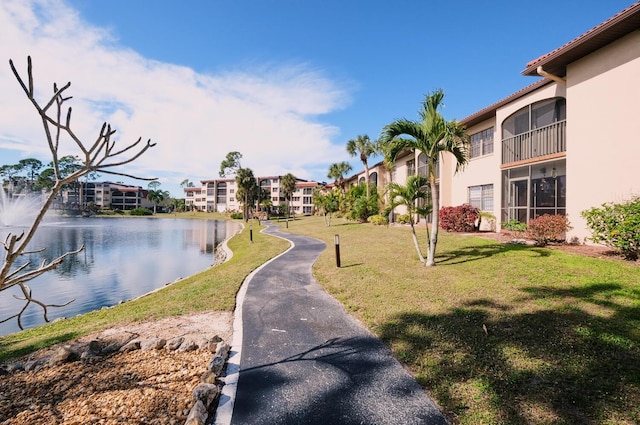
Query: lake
123	259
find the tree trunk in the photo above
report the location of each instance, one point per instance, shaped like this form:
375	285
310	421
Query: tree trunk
435	217
415	242
366	177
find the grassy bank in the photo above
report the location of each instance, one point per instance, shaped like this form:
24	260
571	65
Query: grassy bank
497	333
213	289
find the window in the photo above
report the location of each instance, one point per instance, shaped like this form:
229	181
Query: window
308	191
482	143
274	189
537	115
481	197
307	200
411	167
232	190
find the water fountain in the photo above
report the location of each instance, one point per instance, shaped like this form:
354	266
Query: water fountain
18	210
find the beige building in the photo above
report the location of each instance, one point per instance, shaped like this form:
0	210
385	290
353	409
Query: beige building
220	195
561	145
109	195
565	143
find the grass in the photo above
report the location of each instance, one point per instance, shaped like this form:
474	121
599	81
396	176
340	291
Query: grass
212	290
497	333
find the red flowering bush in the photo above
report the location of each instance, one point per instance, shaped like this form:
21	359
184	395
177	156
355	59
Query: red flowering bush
459	219
547	228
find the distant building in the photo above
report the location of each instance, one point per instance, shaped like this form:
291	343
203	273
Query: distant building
219	195
105	195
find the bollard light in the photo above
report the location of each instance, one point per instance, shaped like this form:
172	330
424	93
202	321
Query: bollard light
336	240
251	233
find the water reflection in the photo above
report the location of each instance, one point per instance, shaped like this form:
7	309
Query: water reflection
123	258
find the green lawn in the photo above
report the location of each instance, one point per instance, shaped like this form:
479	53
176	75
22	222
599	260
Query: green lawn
562	339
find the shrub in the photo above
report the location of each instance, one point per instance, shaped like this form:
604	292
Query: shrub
141	211
459	219
378	220
547	228
617	226
236	216
403	219
514	225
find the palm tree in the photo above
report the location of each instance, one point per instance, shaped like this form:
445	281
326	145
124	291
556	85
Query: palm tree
288	185
432	135
155	195
247	189
364	147
409	196
337	172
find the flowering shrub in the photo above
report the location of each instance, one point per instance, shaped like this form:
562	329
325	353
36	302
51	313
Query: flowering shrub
547	228
459	219
616	225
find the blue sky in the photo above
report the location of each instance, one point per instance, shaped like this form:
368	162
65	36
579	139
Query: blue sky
286	83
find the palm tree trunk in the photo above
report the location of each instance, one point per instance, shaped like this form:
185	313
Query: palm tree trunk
366	177
415	241
435	222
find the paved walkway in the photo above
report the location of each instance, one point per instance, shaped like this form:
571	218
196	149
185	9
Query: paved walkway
304	360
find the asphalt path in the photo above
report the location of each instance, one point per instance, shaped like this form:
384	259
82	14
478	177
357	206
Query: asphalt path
304	360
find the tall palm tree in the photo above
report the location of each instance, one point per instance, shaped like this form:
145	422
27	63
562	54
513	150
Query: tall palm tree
247	188
337	172
363	147
409	195
288	185
433	136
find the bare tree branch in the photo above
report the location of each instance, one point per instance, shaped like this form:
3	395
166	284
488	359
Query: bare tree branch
101	157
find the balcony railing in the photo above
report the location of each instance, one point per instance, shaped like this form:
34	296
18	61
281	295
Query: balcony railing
535	143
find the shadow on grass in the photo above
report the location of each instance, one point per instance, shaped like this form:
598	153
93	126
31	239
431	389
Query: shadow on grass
9	351
487	363
479	252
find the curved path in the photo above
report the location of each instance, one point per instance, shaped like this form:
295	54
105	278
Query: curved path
304	360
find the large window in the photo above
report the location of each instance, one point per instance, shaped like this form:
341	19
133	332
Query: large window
482	143
481	197
537	115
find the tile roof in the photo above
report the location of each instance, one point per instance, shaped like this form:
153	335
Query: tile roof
610	30
490	111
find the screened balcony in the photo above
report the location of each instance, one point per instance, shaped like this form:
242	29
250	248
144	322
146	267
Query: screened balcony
535	131
542	141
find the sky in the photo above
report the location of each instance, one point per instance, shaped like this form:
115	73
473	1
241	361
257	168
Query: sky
287	83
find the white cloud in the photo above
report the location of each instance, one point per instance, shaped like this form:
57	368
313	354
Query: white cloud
271	113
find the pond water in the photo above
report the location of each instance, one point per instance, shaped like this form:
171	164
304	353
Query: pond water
123	258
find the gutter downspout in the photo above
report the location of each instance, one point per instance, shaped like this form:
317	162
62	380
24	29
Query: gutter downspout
550	76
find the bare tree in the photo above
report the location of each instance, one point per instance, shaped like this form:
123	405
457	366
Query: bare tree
101	156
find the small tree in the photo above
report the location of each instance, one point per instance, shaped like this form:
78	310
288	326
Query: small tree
408	195
102	156
327	203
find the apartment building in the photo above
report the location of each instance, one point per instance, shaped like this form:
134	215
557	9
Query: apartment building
109	195
565	143
561	145
220	195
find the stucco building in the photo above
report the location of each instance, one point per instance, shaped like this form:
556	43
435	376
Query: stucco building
219	195
561	145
